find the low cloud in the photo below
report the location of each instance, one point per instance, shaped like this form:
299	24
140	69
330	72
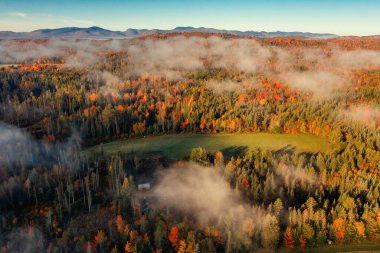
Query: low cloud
357	59
220	87
243	54
184	189
16	145
23	240
319	71
173	56
290	174
202	193
110	83
20	152
363	114
20	149
75	53
320	84
167	57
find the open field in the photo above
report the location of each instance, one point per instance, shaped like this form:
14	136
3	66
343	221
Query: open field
364	247
180	145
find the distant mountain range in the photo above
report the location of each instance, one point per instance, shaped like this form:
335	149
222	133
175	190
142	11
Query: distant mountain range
100	33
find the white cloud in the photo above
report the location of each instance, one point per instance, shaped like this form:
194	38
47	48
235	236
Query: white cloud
69	20
18	14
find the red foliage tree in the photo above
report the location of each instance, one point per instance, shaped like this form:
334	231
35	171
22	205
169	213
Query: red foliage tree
173	237
245	183
288	238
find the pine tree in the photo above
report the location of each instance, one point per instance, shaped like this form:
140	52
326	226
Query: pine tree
270	232
278	208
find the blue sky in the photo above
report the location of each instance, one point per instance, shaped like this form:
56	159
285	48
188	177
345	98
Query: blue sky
343	17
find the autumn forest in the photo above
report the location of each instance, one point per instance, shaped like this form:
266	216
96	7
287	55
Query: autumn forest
132	145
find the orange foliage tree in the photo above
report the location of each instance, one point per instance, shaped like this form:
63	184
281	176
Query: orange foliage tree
130	248
100	237
338	226
93	97
119	223
303	242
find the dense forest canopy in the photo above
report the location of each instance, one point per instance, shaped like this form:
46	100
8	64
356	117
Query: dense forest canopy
58	97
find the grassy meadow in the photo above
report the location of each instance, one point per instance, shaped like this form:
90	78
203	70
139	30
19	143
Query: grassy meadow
179	145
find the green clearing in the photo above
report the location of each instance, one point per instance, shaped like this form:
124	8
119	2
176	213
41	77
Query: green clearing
177	146
363	247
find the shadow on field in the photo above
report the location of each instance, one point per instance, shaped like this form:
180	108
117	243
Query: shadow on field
288	149
235	151
147	154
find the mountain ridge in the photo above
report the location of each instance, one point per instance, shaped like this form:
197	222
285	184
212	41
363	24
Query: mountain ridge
101	33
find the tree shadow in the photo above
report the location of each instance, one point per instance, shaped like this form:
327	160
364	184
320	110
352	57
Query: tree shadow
308	155
288	149
234	151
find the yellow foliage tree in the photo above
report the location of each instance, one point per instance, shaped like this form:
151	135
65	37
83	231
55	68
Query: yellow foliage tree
360	228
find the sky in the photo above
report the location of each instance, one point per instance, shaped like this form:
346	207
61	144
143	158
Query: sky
342	17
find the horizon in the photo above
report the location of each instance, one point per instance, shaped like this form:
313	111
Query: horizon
334	17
